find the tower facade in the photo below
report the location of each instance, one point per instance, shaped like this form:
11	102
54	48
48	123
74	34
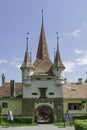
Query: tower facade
43	84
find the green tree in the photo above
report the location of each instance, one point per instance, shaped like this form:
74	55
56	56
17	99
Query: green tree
85	81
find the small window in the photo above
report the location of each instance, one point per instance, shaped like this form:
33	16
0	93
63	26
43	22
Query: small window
34	94
38	79
83	106
28	70
51	93
27	77
4	105
57	69
48	78
83	101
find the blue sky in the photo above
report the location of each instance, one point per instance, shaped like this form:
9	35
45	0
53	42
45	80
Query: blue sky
67	17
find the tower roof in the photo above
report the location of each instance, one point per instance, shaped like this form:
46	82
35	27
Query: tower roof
57	60
42	62
27	63
42	52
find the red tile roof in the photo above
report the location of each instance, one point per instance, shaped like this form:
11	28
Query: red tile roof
5	90
75	91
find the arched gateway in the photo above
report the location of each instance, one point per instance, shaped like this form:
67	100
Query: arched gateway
44	114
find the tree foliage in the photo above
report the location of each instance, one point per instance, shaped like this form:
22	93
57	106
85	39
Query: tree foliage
85	81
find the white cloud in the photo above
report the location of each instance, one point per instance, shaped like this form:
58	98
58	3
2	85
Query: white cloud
84	24
3	61
75	33
70	66
16	64
77	51
82	60
16	59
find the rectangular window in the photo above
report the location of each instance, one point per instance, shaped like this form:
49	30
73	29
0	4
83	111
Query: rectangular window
51	93
49	78
43	92
38	78
4	104
34	94
74	106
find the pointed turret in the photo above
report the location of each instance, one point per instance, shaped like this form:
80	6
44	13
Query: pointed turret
27	67
57	61
27	63
42	62
58	66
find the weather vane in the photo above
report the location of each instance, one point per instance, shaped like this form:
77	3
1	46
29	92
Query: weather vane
27	41
27	34
57	35
42	11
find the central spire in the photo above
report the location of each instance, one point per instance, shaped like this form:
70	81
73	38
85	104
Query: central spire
42	52
42	62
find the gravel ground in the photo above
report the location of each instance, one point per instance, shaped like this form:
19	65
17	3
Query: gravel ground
39	127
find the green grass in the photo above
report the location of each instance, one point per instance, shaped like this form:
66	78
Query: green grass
62	124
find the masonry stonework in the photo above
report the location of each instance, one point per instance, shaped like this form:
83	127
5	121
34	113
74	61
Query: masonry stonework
29	107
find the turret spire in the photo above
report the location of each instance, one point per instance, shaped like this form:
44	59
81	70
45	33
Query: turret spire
57	41
27	61
27	41
57	60
42	17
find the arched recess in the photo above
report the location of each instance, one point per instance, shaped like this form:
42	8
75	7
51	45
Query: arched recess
44	114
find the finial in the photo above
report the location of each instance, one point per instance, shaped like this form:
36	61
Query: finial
27	41
42	17
57	41
42	13
30	54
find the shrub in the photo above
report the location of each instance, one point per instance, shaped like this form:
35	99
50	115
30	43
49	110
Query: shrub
3	119
23	120
80	124
80	117
17	120
27	120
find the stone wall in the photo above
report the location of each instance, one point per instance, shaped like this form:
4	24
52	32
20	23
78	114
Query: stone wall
28	107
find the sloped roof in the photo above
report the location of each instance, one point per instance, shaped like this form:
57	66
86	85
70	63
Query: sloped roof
43	67
42	63
27	63
75	91
5	90
57	61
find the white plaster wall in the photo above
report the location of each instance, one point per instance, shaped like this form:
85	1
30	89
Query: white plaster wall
59	73
36	84
26	73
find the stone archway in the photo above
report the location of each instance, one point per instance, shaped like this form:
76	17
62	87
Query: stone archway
44	114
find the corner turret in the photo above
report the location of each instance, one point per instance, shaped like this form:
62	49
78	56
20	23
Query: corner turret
27	67
58	66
